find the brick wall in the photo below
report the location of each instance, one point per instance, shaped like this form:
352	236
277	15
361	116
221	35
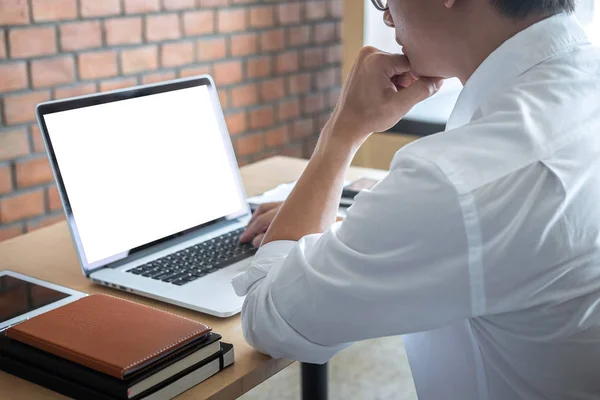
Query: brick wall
276	65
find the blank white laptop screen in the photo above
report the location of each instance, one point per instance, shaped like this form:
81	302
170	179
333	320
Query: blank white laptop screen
142	169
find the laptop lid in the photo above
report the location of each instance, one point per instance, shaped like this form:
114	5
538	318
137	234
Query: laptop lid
140	166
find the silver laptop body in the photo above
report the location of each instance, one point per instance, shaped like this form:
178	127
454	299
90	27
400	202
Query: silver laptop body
147	176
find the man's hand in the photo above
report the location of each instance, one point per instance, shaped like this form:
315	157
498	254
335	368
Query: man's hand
378	92
260	222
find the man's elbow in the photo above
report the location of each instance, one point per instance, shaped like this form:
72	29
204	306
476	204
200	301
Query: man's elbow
268	332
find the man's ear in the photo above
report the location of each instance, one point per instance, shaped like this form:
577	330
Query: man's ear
449	3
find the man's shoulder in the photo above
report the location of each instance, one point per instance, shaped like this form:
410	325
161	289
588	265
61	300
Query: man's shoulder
546	109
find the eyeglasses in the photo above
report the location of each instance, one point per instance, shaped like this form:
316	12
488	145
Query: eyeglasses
381	5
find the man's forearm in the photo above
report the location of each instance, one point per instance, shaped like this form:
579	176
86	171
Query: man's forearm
312	206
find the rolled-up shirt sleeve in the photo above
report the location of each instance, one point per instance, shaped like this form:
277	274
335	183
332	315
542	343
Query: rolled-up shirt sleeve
398	263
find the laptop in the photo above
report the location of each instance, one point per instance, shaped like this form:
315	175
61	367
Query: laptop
152	192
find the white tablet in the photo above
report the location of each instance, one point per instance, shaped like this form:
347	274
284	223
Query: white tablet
23	297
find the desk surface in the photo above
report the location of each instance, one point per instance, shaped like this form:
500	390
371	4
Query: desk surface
48	254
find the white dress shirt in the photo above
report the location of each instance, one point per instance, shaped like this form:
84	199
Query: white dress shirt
482	245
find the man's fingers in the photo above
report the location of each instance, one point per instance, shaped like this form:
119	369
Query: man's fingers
256	242
263	208
420	90
260	225
394	64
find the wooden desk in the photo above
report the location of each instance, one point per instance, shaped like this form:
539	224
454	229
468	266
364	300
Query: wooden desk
49	254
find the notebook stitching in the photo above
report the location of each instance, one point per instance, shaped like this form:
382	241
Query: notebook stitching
169	346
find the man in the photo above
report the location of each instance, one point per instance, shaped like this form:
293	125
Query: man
482	245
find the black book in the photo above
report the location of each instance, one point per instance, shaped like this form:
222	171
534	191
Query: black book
165	390
138	382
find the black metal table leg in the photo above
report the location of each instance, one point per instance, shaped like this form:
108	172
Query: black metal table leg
314	381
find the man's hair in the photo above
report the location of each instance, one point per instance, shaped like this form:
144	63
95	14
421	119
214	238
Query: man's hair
524	8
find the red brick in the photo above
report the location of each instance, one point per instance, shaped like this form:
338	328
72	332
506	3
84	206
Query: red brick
333	54
141	6
289	13
313	102
198	22
316	10
323	119
335	8
177	54
162	27
245	95
262	16
37	140
139	59
53	198
313	57
272	89
227	72
276	137
13	76
10	232
236	123
299	83
223	98
20	108
261	117
246	145
33	172
211	49
13	144
103	8
5	179
258	67
298	35
31	42
123	31
119	83
178	4
272	40
287	62
21	206
325	32
195	71
234	20
2	45
333	97
73	91
80	35
326	78
52	71
14	12
288	109
54	10
95	65
213	3
303	128
292	151
158	77
243	44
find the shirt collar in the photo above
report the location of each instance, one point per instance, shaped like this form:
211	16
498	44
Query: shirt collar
514	57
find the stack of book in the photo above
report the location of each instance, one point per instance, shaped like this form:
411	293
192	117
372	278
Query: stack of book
105	348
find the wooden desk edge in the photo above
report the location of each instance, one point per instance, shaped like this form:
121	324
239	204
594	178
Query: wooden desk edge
247	372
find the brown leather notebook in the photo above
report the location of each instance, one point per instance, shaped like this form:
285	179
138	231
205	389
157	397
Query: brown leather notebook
110	335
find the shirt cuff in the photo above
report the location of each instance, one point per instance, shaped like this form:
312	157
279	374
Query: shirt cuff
264	259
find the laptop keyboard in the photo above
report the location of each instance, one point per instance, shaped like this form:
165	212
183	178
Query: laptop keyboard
196	261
